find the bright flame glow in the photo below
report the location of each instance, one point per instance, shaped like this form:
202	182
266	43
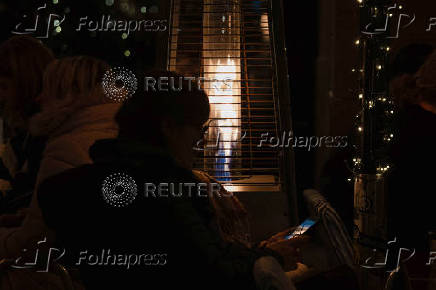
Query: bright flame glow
222	72
224	95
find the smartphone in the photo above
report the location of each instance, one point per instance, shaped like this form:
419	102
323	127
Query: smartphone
302	228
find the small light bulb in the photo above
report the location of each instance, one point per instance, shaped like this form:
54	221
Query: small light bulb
379	67
360	129
124	35
360	96
388	48
357	42
127	53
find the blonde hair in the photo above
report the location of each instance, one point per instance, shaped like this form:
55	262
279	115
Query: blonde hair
74	82
24	60
420	87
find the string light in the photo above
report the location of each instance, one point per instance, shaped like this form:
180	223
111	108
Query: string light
379	64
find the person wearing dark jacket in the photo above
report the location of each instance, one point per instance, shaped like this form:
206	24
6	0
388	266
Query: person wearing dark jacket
137	217
412	190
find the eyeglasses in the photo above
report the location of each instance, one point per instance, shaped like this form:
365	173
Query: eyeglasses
205	127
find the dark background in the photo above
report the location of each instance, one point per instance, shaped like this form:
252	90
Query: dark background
320	38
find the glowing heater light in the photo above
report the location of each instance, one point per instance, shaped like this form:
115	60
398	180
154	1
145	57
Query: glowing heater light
222	72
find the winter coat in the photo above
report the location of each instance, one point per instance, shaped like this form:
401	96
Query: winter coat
70	136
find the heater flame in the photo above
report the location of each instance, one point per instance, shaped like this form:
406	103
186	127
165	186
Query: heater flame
224	95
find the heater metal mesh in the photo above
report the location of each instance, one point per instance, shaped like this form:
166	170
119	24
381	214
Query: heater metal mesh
230	41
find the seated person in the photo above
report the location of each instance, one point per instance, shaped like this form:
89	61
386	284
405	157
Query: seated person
121	228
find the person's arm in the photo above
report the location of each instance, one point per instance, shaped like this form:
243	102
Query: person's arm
232	261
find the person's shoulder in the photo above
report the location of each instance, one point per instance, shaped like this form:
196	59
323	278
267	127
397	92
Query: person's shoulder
71	177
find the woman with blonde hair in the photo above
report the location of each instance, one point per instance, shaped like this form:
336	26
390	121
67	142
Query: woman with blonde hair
74	114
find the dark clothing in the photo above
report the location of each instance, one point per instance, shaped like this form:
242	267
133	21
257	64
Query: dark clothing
412	193
179	230
28	152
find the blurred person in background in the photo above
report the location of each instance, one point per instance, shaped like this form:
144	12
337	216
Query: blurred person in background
74	114
411	183
23	61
